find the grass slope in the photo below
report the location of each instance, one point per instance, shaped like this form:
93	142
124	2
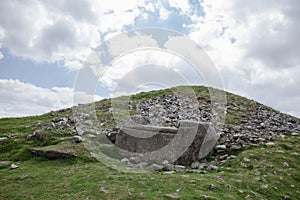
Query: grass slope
265	176
258	172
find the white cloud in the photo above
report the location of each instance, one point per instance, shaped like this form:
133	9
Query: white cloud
51	31
1	55
23	99
163	13
124	43
182	5
254	44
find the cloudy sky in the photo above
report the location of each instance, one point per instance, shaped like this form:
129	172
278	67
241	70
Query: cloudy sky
254	44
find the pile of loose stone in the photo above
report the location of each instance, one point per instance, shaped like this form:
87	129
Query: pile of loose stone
258	124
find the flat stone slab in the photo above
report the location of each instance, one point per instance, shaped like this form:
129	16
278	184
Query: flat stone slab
62	150
189	142
51	154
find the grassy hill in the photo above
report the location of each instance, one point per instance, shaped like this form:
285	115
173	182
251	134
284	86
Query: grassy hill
261	171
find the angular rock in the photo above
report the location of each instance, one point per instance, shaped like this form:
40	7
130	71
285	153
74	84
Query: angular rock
77	139
173	196
156	167
212	187
212	168
125	160
190	142
14	166
138	120
51	154
4	163
195	165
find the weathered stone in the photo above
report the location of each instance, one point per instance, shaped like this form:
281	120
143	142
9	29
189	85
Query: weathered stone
169	172
138	120
156	167
235	147
223	157
77	138
212	187
14	166
135	160
125	160
212	168
102	189
134	138
38	134
22	176
169	167
165	162
51	154
195	165
270	143
4	163
173	196
285	164
202	143
197	138
79	131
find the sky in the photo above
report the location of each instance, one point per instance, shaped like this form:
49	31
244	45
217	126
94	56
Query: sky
253	44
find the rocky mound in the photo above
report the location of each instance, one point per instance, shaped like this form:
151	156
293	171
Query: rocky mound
247	122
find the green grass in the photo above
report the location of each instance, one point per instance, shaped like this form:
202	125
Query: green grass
264	177
89	179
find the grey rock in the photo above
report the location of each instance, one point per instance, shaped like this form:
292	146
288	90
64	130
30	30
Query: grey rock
169	172
3	138
138	120
14	166
235	147
169	167
195	165
270	143
294	134
223	157
88	122
77	138
156	167
51	125
102	189
143	164
221	147
79	131
146	138
212	168
51	154
212	187
165	162
4	163
22	176
29	137
135	160
202	165
125	160
173	196
12	136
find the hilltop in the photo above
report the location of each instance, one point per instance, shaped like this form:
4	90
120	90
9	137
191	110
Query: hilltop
256	155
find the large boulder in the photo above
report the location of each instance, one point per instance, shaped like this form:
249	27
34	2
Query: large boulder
190	142
144	138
